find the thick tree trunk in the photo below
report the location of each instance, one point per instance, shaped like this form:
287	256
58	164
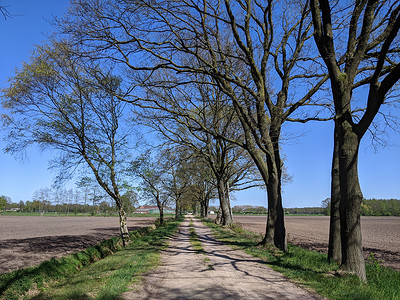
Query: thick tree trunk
218	219
350	202
207	205
275	232
227	219
162	215
204	203
177	209
161	209
202	207
334	248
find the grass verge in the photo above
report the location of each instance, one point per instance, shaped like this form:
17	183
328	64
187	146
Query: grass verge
93	273
311	269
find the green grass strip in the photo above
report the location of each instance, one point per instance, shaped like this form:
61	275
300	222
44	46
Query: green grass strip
93	273
311	269
194	240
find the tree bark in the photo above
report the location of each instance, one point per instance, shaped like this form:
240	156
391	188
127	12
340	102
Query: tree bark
177	208
227	219
122	222
275	231
218	219
160	208
334	248
350	202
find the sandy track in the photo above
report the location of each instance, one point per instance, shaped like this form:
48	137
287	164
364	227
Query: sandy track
27	241
223	273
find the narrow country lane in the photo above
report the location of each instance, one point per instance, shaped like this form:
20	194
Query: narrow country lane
222	273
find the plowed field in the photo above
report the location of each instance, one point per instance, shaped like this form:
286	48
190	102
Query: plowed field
381	235
27	241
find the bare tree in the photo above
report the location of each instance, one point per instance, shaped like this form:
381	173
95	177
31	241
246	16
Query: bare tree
177	174
151	175
196	119
254	52
56	102
366	57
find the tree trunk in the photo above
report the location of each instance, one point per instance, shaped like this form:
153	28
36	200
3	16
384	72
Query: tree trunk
275	232
122	222
350	201
161	209
227	219
202	207
334	248
162	215
206	206
177	209
194	208
218	219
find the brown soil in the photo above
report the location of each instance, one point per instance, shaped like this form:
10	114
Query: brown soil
219	273
381	235
27	241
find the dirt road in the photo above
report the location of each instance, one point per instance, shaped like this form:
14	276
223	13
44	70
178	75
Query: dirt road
221	273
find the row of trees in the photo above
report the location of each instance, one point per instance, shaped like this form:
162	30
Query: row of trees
218	81
249	209
88	198
380	207
371	207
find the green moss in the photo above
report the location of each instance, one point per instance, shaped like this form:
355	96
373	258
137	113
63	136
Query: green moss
342	77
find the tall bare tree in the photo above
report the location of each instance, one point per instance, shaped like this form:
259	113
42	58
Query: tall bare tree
57	103
368	57
196	119
178	174
254	52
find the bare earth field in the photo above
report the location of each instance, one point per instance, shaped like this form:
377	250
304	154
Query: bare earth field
381	235
27	241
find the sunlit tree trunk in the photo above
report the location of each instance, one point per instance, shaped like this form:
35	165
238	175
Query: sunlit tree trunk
350	202
227	219
334	248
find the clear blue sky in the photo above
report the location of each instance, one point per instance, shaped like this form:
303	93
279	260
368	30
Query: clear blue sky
308	158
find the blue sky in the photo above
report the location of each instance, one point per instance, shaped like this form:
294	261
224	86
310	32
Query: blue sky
308	158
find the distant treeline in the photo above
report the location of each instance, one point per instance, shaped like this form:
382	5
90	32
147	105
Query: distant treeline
249	209
380	207
306	211
371	207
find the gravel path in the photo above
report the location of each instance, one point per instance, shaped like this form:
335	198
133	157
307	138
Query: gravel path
222	273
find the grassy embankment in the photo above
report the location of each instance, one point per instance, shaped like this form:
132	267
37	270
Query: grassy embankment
93	273
311	269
